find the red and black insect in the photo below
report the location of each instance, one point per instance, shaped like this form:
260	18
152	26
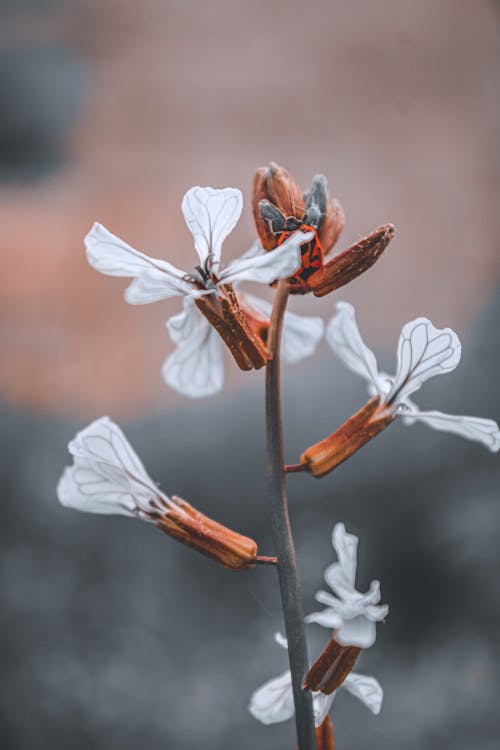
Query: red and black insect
284	226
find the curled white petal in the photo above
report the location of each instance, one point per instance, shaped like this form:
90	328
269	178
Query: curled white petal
301	333
196	366
281	640
154	279
107	476
321	706
273	701
367	689
276	264
211	214
341	576
480	430
352	614
423	352
343	335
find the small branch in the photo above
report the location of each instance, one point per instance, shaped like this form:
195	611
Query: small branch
263	560
294	468
282	533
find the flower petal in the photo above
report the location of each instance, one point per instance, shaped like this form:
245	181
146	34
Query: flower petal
328	618
423	352
341	576
360	631
112	256
273	701
343	335
279	263
367	689
301	333
321	706
107	476
210	215
196	367
483	431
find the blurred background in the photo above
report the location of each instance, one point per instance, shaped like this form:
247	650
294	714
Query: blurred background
113	635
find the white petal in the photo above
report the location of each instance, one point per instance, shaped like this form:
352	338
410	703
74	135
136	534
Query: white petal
281	640
301	333
107	475
360	631
211	214
367	689
112	256
273	701
343	335
342	575
196	367
279	263
483	431
254	250
321	706
328	618
423	352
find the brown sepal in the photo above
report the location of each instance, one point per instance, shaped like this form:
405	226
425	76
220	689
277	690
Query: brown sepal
233	326
371	419
351	263
324	735
332	225
331	668
189	526
275	184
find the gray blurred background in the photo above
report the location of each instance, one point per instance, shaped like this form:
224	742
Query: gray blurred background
113	635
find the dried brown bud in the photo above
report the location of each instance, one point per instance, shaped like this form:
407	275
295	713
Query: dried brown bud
196	530
332	667
332	225
374	417
354	261
324	735
276	185
232	324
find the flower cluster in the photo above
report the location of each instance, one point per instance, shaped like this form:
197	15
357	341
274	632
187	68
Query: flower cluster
296	234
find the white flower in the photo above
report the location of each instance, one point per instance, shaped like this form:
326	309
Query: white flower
107	476
423	352
195	368
273	702
351	614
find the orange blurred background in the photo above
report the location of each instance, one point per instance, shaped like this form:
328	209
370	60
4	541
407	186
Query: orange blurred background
129	104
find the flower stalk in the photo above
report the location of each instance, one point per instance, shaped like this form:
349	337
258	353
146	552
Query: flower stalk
282	533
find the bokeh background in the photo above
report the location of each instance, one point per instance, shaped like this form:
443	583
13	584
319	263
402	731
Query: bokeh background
114	636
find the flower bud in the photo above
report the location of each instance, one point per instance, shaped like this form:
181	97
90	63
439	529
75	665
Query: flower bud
374	417
274	184
233	325
324	735
331	668
189	526
332	225
354	261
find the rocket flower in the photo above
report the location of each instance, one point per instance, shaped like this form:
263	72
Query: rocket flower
280	210
352	615
108	477
272	702
423	352
211	307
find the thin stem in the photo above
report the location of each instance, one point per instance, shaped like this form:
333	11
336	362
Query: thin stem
291	468
282	533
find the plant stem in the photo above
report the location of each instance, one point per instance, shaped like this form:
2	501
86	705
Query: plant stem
282	533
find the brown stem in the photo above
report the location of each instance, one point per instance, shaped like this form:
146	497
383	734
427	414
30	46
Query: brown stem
282	533
293	468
